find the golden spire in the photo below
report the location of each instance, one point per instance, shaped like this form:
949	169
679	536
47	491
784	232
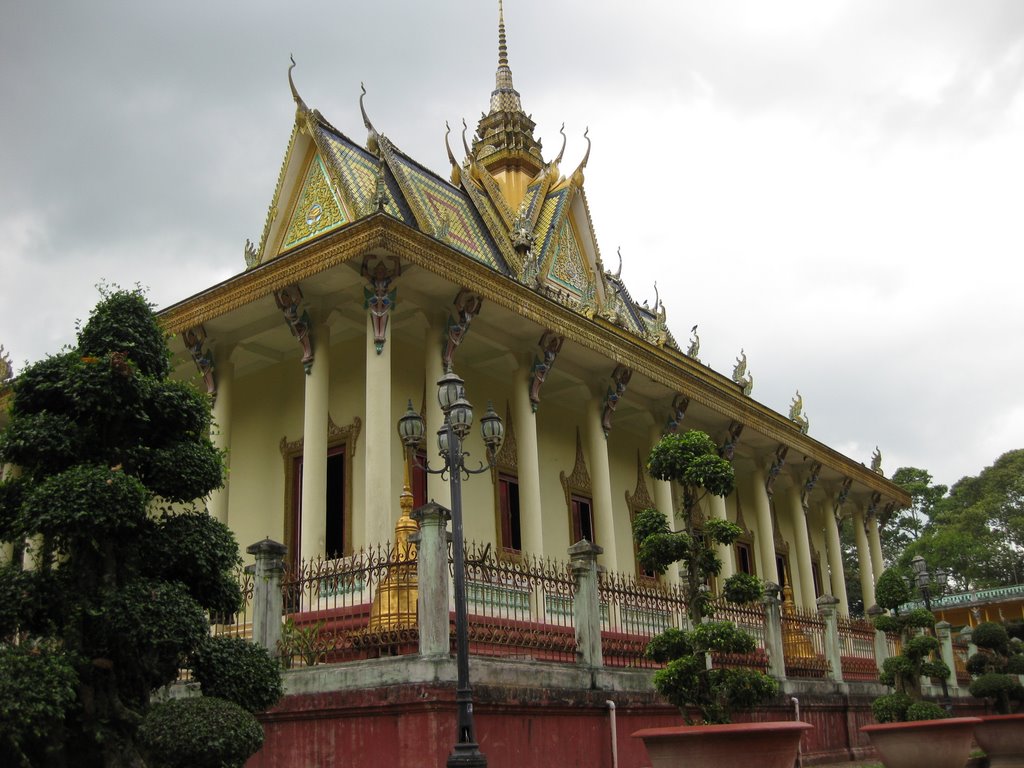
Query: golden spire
505	135
504	98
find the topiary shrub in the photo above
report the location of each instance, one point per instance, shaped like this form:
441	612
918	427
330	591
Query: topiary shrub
239	671
995	667
203	732
925	710
691	460
891	708
918	658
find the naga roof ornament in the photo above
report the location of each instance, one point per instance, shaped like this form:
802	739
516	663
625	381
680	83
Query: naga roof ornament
299	103
372	137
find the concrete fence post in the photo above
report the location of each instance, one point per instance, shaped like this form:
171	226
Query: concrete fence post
773	631
587	606
881	641
945	637
266	594
433	578
833	648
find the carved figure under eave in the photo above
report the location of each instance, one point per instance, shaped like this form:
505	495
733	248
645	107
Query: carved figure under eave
289	300
550	345
380	296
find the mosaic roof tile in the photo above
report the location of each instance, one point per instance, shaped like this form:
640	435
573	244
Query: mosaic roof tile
450	215
357	173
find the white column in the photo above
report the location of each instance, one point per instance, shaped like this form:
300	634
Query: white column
600	476
805	596
837	574
716	505
437	488
875	544
767	569
380	498
313	524
531	519
867	579
220	430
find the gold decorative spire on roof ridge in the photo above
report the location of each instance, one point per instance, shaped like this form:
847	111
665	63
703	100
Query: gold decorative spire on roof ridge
505	97
504	139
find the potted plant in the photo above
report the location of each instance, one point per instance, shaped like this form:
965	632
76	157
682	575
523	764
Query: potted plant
911	732
996	670
688	680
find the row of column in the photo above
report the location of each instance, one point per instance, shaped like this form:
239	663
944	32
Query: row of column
379	445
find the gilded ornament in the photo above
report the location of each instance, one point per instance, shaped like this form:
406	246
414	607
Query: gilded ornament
876	462
796	413
6	369
740	375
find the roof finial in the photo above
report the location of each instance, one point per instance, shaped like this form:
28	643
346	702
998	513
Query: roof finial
371	133
561	152
456	173
502	48
577	175
291	84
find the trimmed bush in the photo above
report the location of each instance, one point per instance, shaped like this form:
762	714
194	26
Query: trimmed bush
202	732
891	708
241	672
925	710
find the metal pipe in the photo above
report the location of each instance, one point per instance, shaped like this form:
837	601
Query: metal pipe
615	742
800	743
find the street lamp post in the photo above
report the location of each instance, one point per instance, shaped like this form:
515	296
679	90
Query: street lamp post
458	418
924	582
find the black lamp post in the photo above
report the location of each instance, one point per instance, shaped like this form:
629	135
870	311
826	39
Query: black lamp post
924	586
458	419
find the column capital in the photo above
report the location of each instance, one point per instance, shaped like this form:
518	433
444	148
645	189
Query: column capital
431	513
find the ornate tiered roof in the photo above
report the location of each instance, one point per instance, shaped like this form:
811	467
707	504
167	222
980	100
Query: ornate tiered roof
505	206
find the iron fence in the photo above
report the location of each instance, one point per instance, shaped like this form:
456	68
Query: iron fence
359	606
518	607
857	648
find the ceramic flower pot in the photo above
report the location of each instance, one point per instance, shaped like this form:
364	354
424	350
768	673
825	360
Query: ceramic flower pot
734	745
923	743
1002	738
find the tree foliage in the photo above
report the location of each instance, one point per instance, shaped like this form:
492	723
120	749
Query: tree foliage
975	532
996	667
124	565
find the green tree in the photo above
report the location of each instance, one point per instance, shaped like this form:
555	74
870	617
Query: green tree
126	565
908	525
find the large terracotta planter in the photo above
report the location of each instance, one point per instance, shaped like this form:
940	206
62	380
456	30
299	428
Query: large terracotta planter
734	745
1002	738
924	743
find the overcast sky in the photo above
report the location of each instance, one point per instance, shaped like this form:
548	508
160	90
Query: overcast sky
832	185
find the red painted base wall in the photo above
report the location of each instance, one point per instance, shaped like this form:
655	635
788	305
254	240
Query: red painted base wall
413	726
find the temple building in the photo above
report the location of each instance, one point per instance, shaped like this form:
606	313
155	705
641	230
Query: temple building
374	275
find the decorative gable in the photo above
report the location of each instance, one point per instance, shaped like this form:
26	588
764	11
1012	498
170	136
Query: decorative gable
317	210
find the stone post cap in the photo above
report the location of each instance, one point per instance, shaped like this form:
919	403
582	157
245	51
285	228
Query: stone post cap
431	510
875	610
967	633
943	626
772	590
267	548
827	601
583	548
